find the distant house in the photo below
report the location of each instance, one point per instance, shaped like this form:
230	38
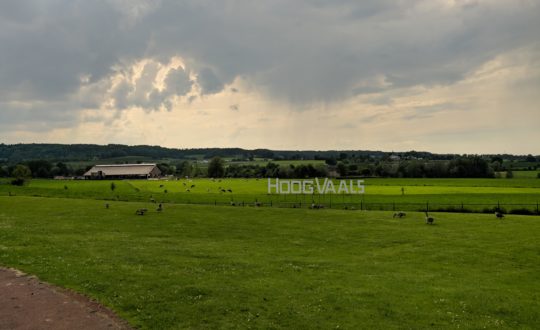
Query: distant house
123	171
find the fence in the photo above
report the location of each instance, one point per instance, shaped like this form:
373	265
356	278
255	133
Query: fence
511	208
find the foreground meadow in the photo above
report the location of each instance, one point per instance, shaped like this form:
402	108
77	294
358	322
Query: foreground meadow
194	266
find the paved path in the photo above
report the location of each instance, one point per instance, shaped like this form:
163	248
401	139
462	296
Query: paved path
27	303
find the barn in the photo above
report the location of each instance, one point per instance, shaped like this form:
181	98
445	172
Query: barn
123	171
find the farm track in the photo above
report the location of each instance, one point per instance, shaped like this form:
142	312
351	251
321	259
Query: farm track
28	303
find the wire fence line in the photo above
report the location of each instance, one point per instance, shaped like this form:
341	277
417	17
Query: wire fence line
354	203
315	202
511	208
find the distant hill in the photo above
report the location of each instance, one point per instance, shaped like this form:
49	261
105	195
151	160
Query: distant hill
12	153
84	152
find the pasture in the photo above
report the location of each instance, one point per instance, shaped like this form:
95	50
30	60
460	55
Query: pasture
381	194
194	266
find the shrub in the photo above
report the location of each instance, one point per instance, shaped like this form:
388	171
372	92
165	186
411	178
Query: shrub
17	182
523	211
493	209
21	172
452	209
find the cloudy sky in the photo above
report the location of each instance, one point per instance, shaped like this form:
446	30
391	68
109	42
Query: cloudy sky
460	76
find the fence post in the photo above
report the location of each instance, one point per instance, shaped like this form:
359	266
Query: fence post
537	211
361	205
498	206
427	206
461	206
394	206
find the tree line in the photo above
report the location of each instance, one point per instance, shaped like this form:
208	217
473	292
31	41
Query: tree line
462	167
458	167
16	153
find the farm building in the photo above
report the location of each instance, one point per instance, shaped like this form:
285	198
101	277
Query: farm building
123	171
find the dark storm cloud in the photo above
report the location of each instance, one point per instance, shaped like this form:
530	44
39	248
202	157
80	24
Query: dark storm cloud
294	51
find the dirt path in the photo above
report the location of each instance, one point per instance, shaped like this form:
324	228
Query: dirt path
27	303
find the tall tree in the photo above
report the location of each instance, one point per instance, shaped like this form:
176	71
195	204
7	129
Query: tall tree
216	168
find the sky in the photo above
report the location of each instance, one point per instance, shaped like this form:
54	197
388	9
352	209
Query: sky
446	76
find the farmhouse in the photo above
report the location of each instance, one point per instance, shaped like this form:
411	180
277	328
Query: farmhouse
123	171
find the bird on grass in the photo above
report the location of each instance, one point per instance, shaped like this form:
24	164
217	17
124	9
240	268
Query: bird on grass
429	220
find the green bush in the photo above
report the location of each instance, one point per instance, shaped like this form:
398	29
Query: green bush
17	182
523	211
493	209
452	209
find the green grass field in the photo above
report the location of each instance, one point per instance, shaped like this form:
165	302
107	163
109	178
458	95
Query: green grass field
526	174
195	266
386	194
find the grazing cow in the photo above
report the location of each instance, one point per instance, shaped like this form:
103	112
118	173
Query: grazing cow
499	215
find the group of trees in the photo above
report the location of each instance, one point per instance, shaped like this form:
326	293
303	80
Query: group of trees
273	170
463	167
217	168
40	169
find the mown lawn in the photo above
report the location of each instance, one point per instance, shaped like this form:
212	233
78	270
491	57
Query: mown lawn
239	267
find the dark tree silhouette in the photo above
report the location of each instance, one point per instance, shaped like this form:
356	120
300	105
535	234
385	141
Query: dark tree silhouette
216	168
